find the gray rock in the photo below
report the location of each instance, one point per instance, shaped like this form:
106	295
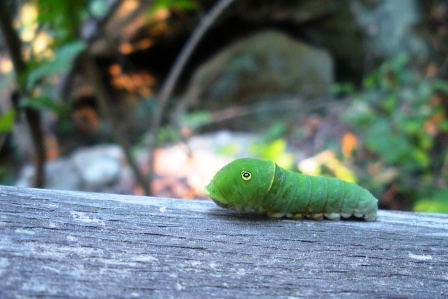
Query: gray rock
265	66
99	168
60	174
99	165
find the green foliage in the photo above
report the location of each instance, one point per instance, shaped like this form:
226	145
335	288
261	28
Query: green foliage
342	88
399	118
229	150
40	88
438	203
62	21
327	163
274	150
63	59
7	121
62	18
272	146
42	103
166	135
169	4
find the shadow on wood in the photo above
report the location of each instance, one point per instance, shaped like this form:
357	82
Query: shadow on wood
74	244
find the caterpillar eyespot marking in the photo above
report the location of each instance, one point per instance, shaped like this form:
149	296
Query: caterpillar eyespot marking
265	187
246	175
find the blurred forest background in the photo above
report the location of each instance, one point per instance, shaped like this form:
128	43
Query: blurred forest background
153	97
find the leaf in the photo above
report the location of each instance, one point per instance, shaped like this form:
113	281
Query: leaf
400	61
437	203
392	147
40	103
7	121
418	158
62	19
61	63
390	103
440	84
342	88
443	126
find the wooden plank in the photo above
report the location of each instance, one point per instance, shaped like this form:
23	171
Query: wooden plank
74	244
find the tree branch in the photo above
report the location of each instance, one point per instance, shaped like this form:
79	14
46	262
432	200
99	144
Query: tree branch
105	105
170	83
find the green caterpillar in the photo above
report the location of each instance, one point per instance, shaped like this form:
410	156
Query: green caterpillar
247	185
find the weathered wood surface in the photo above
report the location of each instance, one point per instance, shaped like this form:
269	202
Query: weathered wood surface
74	244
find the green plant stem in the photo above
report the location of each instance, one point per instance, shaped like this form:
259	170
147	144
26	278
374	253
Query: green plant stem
32	116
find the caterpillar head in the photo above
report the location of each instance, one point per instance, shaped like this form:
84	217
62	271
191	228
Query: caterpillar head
241	184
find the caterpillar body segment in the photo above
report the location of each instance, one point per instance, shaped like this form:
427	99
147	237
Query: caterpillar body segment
247	185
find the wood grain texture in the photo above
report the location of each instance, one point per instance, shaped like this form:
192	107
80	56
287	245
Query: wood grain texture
74	244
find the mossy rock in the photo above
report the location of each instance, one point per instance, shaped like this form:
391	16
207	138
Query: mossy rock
265	66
